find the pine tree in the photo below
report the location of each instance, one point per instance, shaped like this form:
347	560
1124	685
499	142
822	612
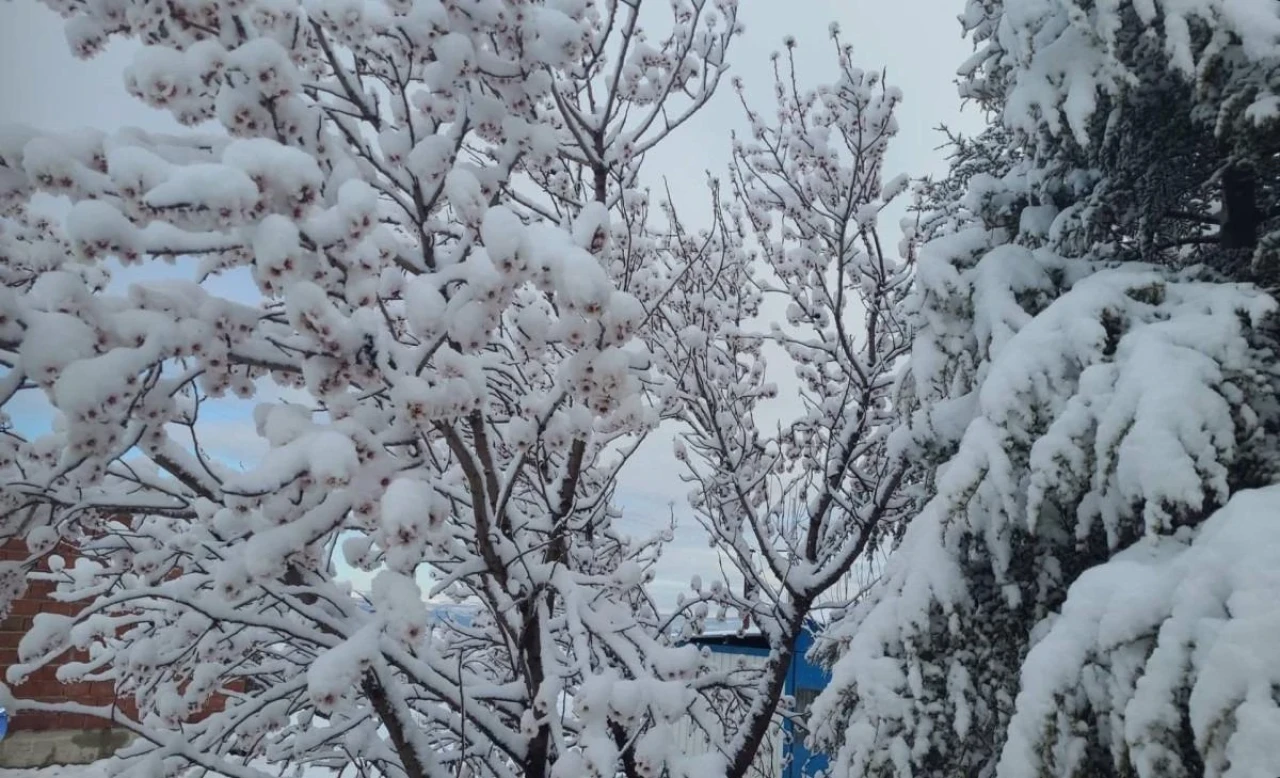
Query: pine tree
1092	394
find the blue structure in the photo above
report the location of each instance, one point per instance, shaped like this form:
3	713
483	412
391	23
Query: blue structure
804	681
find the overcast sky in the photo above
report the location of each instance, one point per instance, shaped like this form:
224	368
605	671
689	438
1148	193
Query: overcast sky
917	41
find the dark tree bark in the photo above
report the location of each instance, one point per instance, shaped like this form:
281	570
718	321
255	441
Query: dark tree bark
1240	217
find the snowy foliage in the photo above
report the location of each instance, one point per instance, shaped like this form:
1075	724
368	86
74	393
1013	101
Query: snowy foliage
1103	405
1152	121
455	284
1062	60
795	509
1169	642
1097	433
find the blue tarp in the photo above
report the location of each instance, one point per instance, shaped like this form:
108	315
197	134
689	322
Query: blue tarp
804	681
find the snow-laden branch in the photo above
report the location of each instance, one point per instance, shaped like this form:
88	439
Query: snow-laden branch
793	511
452	284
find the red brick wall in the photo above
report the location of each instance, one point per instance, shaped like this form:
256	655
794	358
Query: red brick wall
44	684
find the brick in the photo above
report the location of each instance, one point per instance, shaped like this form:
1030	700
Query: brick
33	721
84	691
16	623
43	684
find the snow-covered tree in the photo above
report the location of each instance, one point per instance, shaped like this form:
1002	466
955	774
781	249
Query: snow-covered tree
433	214
1092	405
795	508
1166	111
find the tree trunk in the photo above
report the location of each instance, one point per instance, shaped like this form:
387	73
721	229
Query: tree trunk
1240	218
758	726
